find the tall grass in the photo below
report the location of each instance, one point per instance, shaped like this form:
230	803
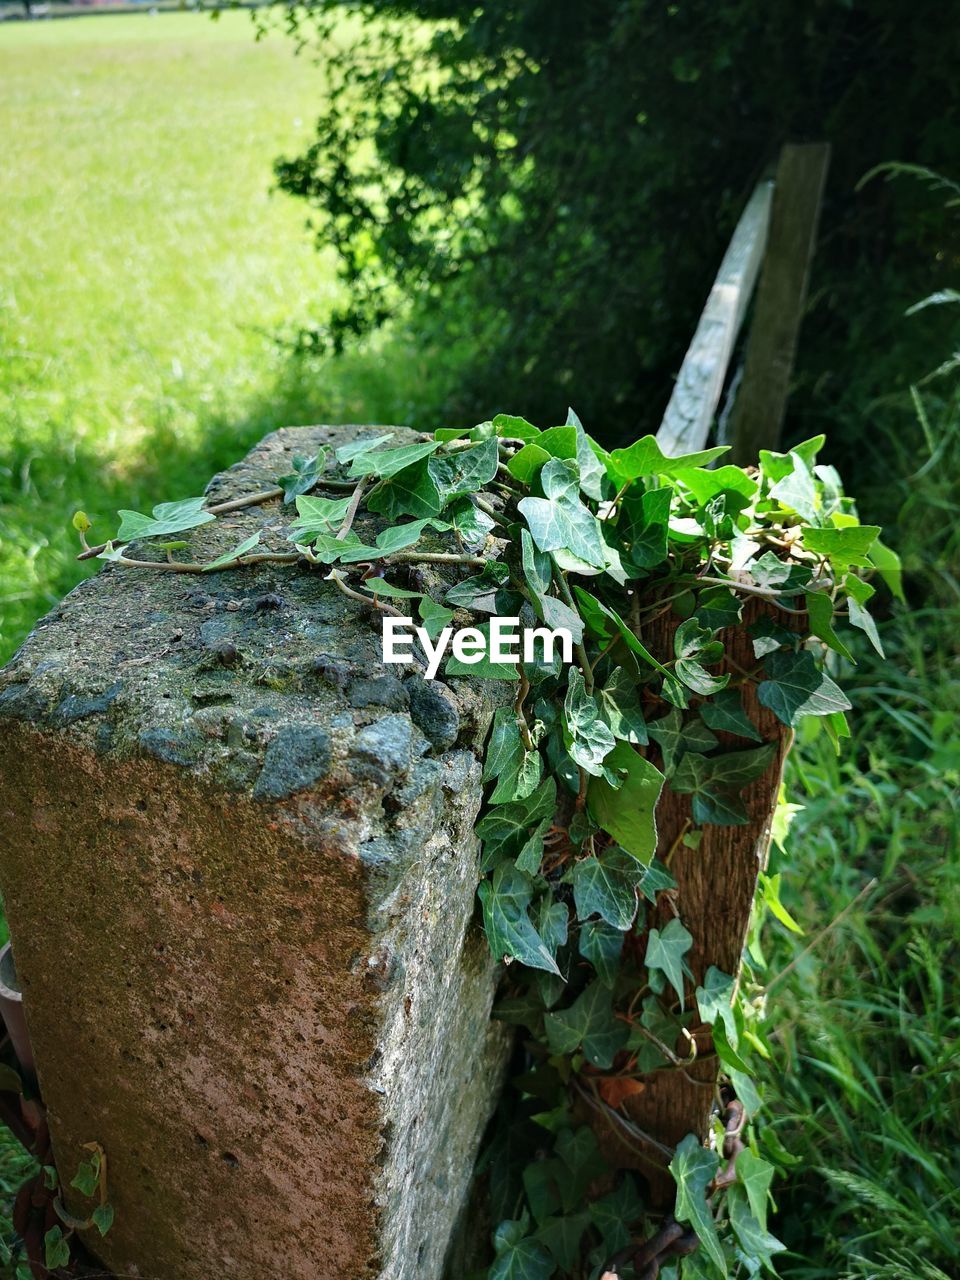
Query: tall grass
865	1086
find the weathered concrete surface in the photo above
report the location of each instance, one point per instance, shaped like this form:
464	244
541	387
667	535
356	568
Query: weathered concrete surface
238	862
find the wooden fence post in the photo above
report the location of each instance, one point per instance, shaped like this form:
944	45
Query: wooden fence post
761	401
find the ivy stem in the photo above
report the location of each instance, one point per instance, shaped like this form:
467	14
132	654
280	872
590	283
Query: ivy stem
434	557
352	510
370	601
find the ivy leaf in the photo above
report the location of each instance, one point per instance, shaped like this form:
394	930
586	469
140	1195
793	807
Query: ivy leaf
485	593
167	518
754	1240
717	781
513	428
327	548
459	474
531	855
770	572
591	741
755	1175
590	1023
858	593
645	458
627	812
306	472
718	607
725	713
347	452
397	537
228	557
615	1213
796	687
642	528
102	1217
485	669
505	900
843	547
506	759
820	613
777	465
523	1260
588	455
560	522
887	563
601	944
538	572
621	708
607	885
434	616
87	1178
410	492
797	491
317	515
674	737
665	951
769	636
693	1169
562	1236
505	829
580	1152
469	523
388	462
706	484
715	1000
656	878
555	442
56	1251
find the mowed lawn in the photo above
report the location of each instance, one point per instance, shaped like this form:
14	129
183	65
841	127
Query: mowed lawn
146	269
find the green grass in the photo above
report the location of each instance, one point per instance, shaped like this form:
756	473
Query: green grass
146	269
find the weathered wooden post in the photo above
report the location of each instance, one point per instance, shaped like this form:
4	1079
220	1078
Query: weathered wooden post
239	868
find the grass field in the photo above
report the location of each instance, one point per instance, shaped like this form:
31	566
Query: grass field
147	266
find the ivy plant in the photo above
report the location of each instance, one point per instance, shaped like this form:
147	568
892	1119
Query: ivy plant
623	549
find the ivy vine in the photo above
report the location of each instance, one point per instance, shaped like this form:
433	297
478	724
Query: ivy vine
547	526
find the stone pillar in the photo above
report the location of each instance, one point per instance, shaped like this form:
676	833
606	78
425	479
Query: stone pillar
238	863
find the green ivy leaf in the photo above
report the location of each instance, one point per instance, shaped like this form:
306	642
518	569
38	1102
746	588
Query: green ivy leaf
562	1236
317	515
555	442
621	708
505	829
715	1000
167	518
580	1153
485	669
524	1260
642	528
627	812
796	687
616	1213
774	574
887	563
87	1177
469	523
459	474
505	900
716	782
241	549
718	607
306	472
590	740
347	452
512	428
797	491
102	1217
693	1170
560	522
674	737
386	463
590	1023
665	951
645	458
755	1176
858	593
434	616
607	885
820	613
538	573
410	492
507	760
754	1240
777	465
706	484
56	1251
590	459
601	944
725	713
843	547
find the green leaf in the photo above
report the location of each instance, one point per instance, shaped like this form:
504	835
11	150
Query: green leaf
505	829
556	442
56	1251
674	737
410	492
731	769
347	452
306	472
718	607
656	878
465	472
381	587
645	458
797	491
820	611
725	713
468	522
525	1260
887	563
777	465
842	547
607	885
531	855
693	1170
621	707
796	687
589	459
627	813
516	770
87	1178
167	517
616	1213
103	1218
601	944
754	1240
642	528
317	515
241	549
665	951
588	1023
591	741
435	617
562	1236
538	573
389	462
559	522
591	608
756	1176
704	484
715	1001
580	1152
511	428
485	669
770	572
858	593
505	900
